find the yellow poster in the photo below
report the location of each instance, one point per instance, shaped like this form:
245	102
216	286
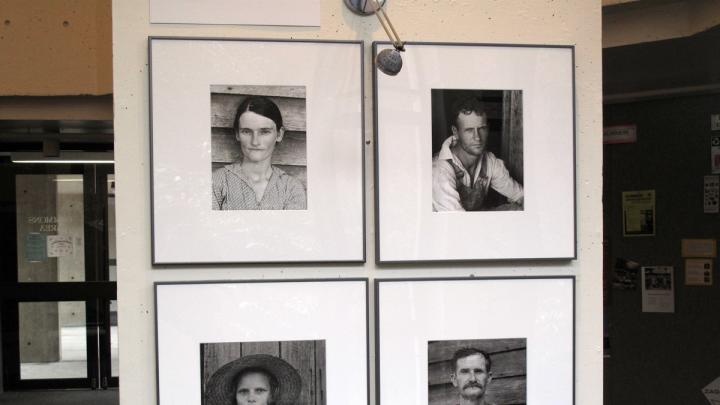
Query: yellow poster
638	213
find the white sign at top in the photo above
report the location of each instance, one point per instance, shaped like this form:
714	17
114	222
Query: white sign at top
241	12
620	134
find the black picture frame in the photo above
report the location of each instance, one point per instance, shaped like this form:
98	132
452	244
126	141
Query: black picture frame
408	229
184	230
313	290
423	295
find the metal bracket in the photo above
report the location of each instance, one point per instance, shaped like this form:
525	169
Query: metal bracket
363	7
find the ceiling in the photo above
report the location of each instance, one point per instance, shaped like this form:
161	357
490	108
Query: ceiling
627	22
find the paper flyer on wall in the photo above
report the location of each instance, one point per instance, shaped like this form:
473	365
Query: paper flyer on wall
715	153
638	213
712	392
698	272
35	247
658	289
59	245
711	194
698	247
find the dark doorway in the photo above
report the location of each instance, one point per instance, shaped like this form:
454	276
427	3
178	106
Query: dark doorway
58	290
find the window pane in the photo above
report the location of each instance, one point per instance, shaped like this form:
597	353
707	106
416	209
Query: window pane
112	271
50	228
53	340
114	339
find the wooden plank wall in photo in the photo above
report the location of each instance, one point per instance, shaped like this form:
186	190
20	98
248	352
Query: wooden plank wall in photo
512	137
509	370
290	154
306	356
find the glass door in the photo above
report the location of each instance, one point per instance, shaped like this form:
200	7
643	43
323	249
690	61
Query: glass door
56	289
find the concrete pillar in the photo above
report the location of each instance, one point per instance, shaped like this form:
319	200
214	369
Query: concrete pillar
71	262
36	219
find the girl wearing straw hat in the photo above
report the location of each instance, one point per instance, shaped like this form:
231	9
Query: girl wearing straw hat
258	379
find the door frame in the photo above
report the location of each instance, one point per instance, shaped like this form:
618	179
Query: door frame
96	291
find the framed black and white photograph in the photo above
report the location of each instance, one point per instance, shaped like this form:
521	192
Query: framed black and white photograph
475	340
480	130
477	140
494	370
257	151
263	373
258	132
281	342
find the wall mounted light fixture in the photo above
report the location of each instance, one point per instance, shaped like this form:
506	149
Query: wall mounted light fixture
388	61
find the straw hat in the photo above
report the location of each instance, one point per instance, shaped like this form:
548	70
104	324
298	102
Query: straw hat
220	388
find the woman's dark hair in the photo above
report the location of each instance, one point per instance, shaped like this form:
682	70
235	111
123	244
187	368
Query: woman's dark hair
259	105
274	385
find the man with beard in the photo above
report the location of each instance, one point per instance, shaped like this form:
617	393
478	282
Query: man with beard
472	376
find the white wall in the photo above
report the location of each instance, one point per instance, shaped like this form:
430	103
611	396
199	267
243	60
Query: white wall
509	21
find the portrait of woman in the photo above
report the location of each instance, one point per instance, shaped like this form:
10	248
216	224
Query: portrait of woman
257	379
253	182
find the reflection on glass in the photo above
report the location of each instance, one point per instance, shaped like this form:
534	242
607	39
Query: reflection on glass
53	340
112	273
111	227
50	228
113	339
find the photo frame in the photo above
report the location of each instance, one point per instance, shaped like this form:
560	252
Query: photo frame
475	153
508	331
257	151
291	331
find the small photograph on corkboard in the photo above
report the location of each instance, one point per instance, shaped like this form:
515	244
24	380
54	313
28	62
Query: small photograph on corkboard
477	150
263	373
259	147
480	371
